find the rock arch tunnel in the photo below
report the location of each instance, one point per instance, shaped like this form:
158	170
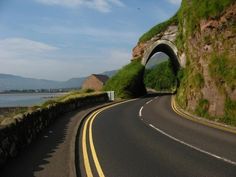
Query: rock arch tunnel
166	47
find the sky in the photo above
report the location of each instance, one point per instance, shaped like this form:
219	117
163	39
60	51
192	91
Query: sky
63	39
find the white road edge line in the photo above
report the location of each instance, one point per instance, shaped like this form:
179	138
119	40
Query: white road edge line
193	147
140	112
149	101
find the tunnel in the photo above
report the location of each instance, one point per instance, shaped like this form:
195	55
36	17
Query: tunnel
166	47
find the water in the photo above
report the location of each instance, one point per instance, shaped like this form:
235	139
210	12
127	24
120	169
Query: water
25	99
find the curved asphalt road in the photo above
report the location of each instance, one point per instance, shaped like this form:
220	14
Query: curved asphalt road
156	142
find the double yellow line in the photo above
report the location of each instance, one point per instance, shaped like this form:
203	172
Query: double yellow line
88	129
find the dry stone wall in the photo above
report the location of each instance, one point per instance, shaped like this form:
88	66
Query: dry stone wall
20	131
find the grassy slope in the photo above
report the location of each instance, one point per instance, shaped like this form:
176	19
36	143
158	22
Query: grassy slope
158	28
128	82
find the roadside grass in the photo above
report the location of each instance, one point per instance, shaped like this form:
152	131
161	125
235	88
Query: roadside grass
202	108
11	112
60	99
70	95
230	112
128	82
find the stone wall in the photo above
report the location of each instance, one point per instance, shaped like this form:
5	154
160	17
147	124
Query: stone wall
18	132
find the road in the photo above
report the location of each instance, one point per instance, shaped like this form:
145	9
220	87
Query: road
146	138
52	153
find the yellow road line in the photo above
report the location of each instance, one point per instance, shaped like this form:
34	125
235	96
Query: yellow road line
204	122
84	149
89	123
94	154
85	152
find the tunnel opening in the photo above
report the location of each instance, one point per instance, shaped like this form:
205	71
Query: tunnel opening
161	70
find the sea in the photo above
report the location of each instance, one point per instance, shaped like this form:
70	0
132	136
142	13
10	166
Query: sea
25	99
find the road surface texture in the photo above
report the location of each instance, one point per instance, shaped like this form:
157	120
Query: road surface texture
146	138
52	154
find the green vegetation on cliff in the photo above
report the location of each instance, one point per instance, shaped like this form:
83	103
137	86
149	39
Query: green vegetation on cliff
128	82
230	112
206	36
158	29
192	12
223	70
202	108
161	77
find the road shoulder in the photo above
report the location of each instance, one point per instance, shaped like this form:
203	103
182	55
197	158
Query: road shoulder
200	120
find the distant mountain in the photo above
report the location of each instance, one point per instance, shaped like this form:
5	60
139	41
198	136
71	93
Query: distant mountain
13	82
110	73
156	59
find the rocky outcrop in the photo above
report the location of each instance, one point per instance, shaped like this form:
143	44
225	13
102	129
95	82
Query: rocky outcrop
169	34
216	37
209	47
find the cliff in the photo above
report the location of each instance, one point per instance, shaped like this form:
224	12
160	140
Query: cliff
206	43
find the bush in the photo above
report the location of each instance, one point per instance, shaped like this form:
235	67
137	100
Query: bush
198	80
161	77
128	82
230	112
223	70
202	108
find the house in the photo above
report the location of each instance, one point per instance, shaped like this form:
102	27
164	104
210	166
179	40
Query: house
95	82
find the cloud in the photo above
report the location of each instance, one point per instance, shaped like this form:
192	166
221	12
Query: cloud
115	58
99	5
119	57
43	68
96	33
29	58
18	47
117	2
177	2
107	33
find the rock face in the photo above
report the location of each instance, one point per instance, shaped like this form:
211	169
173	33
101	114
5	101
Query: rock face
216	38
169	34
210	73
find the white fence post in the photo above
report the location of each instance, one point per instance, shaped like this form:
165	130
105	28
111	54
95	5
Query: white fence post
111	95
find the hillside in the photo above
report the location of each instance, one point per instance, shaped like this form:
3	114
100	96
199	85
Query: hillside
206	39
13	82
